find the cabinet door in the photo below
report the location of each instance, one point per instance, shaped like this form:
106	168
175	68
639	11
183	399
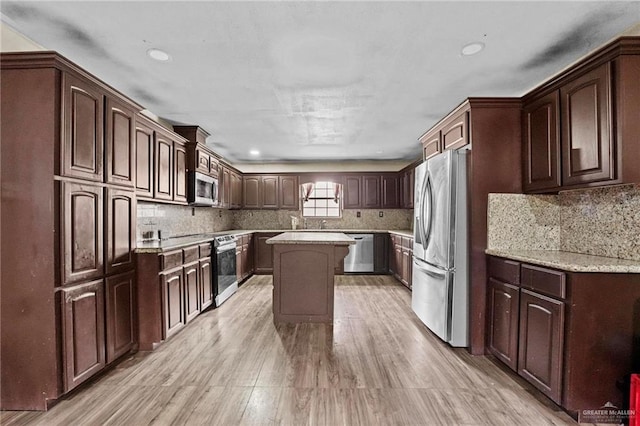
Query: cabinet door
406	267
455	132
121	230
504	308
398	262
251	192
380	255
226	188
392	255
270	192
351	192
144	161
371	192
263	259
588	154
541	343
191	291
249	261
431	145
120	140
163	189
239	267
236	191
83	125
541	143
214	166
390	191
289	192
172	302
83	232
206	284
180	173
409	188
83	334
120	315
202	161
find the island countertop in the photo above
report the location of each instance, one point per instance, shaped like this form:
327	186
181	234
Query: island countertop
333	238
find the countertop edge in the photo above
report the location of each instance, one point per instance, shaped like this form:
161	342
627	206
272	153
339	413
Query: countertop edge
600	266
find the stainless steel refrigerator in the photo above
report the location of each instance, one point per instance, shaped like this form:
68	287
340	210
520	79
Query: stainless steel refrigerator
440	296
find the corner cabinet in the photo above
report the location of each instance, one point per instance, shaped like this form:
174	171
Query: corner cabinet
551	328
581	128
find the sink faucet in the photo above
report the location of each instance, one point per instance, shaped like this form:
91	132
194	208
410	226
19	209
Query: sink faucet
323	224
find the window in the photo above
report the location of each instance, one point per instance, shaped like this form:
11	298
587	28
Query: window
321	199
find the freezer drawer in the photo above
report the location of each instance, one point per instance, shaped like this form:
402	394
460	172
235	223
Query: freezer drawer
431	298
360	257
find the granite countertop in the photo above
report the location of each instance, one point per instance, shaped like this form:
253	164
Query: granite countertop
333	238
157	246
568	261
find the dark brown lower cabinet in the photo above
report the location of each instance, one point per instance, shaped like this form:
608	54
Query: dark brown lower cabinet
191	290
83	332
172	302
263	253
120	314
541	342
239	267
569	334
380	257
206	283
401	259
504	308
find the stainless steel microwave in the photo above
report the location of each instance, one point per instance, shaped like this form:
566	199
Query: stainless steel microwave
202	190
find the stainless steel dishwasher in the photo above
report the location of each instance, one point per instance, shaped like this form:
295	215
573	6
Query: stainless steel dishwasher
360	257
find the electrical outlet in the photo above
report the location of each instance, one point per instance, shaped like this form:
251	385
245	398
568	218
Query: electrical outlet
219	213
357	214
380	214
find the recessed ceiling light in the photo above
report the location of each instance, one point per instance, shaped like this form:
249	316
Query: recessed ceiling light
158	55
472	48
254	152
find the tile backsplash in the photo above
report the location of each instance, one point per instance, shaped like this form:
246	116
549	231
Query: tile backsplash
174	220
600	221
281	219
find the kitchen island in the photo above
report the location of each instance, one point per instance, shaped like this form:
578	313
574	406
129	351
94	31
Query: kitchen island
304	266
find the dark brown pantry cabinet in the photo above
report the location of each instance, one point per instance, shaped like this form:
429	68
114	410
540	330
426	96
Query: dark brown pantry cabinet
72	286
556	330
580	128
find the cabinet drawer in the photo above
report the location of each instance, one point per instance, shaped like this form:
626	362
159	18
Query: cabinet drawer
507	271
407	242
191	254
170	260
396	239
205	250
545	281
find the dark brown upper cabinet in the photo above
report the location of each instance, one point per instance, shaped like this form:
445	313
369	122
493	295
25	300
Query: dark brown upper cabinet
121	230
390	191
588	154
236	190
289	193
83	125
269	187
407	189
179	172
455	132
541	147
82	232
163	189
225	188
252	195
120	143
351	192
431	144
371	191
580	129
144	160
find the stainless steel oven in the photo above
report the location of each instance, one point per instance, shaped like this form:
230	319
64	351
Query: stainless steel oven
225	278
202	190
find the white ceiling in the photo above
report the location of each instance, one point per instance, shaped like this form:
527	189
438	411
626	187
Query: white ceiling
309	81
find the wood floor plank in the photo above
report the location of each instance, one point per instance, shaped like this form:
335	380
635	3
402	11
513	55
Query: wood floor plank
377	364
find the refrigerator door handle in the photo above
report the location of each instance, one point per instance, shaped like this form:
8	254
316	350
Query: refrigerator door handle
426	226
428	269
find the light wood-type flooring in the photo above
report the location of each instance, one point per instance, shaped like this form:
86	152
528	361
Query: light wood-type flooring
378	364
